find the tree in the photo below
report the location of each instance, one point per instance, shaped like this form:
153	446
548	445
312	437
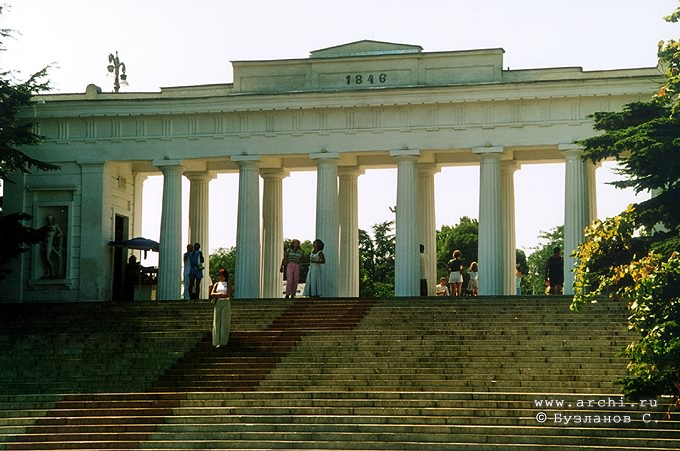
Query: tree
223	258
376	261
612	261
366	264
633	256
464	236
533	281
523	266
383	259
15	133
15	238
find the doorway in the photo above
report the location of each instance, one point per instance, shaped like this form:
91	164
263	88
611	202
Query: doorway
120	232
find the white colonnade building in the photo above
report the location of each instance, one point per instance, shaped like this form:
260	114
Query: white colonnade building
339	112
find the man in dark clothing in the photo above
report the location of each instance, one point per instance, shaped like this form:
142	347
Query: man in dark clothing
554	272
423	271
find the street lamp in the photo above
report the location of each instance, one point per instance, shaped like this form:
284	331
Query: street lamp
117	69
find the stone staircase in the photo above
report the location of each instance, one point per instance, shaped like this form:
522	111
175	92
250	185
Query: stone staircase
425	374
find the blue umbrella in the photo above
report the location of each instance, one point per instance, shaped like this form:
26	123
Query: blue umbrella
139	243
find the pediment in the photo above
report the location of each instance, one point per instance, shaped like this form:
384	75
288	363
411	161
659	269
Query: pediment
365	48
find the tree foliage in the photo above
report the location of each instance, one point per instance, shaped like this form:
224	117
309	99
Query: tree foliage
633	256
366	264
377	259
612	261
15	237
523	266
464	236
534	278
16	132
223	258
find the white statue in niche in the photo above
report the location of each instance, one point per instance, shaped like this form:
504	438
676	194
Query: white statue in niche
52	250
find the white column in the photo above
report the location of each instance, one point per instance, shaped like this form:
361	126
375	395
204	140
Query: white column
490	246
170	249
327	223
592	188
427	225
199	221
577	206
247	282
272	232
407	253
137	208
509	232
348	205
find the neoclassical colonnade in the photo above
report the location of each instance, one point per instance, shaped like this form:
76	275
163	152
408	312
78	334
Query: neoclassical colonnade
259	236
343	110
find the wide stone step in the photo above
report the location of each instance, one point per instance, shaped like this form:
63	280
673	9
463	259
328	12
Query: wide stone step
353	440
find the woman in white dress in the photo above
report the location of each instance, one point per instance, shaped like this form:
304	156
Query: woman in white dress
220	295
316	259
473	284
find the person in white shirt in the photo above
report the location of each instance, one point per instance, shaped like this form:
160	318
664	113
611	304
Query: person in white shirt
442	289
220	295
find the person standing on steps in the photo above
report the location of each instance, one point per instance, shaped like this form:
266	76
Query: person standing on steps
187	272
473	284
455	276
518	280
423	271
554	272
132	273
316	260
220	296
196	259
290	266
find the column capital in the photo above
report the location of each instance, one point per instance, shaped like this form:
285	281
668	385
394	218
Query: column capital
483	151
199	176
328	156
245	159
274	173
570	150
352	171
171	169
405	153
428	168
249	165
166	163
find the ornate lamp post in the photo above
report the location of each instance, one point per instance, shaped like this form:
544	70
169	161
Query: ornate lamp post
117	69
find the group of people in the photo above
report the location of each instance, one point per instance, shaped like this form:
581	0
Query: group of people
290	266
221	291
554	272
461	281
457	285
193	271
220	296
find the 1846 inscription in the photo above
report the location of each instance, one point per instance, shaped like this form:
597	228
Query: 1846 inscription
366	79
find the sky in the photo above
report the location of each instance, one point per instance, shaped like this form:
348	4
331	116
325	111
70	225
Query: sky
166	43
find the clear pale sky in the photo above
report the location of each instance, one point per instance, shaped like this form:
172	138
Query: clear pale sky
177	43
